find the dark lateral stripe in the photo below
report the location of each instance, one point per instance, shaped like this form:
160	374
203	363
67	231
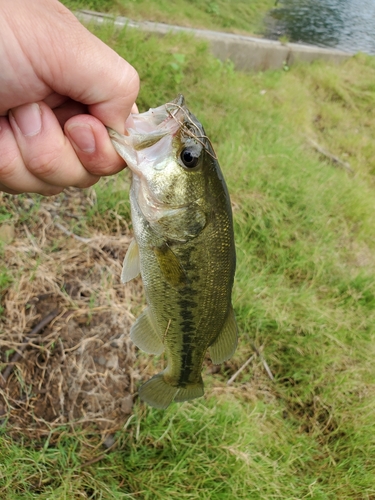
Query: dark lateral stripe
188	329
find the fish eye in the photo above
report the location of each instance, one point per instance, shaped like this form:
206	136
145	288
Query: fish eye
189	158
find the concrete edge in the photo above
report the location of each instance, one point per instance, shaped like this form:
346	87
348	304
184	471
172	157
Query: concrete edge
246	52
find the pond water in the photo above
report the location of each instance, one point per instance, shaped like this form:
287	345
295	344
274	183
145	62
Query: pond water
344	24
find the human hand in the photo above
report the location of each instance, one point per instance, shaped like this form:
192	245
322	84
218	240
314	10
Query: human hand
59	87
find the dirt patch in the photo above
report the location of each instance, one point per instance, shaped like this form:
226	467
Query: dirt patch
78	368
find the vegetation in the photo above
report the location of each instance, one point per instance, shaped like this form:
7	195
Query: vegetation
237	16
304	295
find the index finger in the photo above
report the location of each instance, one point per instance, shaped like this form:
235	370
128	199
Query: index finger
80	65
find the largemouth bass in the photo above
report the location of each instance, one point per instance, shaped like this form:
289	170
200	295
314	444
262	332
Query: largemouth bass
183	249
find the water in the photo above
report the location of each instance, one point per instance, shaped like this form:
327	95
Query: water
343	24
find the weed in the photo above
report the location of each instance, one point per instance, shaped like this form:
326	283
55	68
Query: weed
235	16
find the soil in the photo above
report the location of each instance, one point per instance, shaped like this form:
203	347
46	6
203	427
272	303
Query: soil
78	369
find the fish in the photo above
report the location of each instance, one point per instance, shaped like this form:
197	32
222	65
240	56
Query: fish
183	248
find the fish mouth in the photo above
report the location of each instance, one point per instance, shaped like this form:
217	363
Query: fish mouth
149	133
157	119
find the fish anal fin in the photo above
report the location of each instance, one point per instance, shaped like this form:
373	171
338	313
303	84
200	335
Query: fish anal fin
225	345
131	265
157	393
145	335
191	391
170	266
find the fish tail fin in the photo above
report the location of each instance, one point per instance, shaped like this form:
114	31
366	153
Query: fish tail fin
191	391
157	393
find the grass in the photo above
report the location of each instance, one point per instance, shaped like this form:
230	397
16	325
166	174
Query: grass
237	16
166	454
304	294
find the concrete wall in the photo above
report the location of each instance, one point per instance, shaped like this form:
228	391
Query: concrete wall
247	53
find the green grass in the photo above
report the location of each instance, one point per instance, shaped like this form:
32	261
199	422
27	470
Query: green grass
168	454
304	291
234	16
233	455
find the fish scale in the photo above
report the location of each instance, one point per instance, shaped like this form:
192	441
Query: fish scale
183	248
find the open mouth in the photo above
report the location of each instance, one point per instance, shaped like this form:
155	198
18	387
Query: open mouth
151	134
157	119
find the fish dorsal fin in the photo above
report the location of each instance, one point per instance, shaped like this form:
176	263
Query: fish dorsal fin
170	266
131	265
145	335
225	345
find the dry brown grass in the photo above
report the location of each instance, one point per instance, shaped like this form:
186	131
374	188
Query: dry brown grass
79	368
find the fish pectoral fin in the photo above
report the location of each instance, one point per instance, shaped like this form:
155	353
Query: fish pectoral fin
170	266
157	393
225	345
145	335
131	265
191	391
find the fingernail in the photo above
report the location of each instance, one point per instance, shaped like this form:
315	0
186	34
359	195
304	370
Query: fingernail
28	119
83	137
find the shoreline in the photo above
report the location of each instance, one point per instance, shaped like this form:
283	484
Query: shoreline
248	53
